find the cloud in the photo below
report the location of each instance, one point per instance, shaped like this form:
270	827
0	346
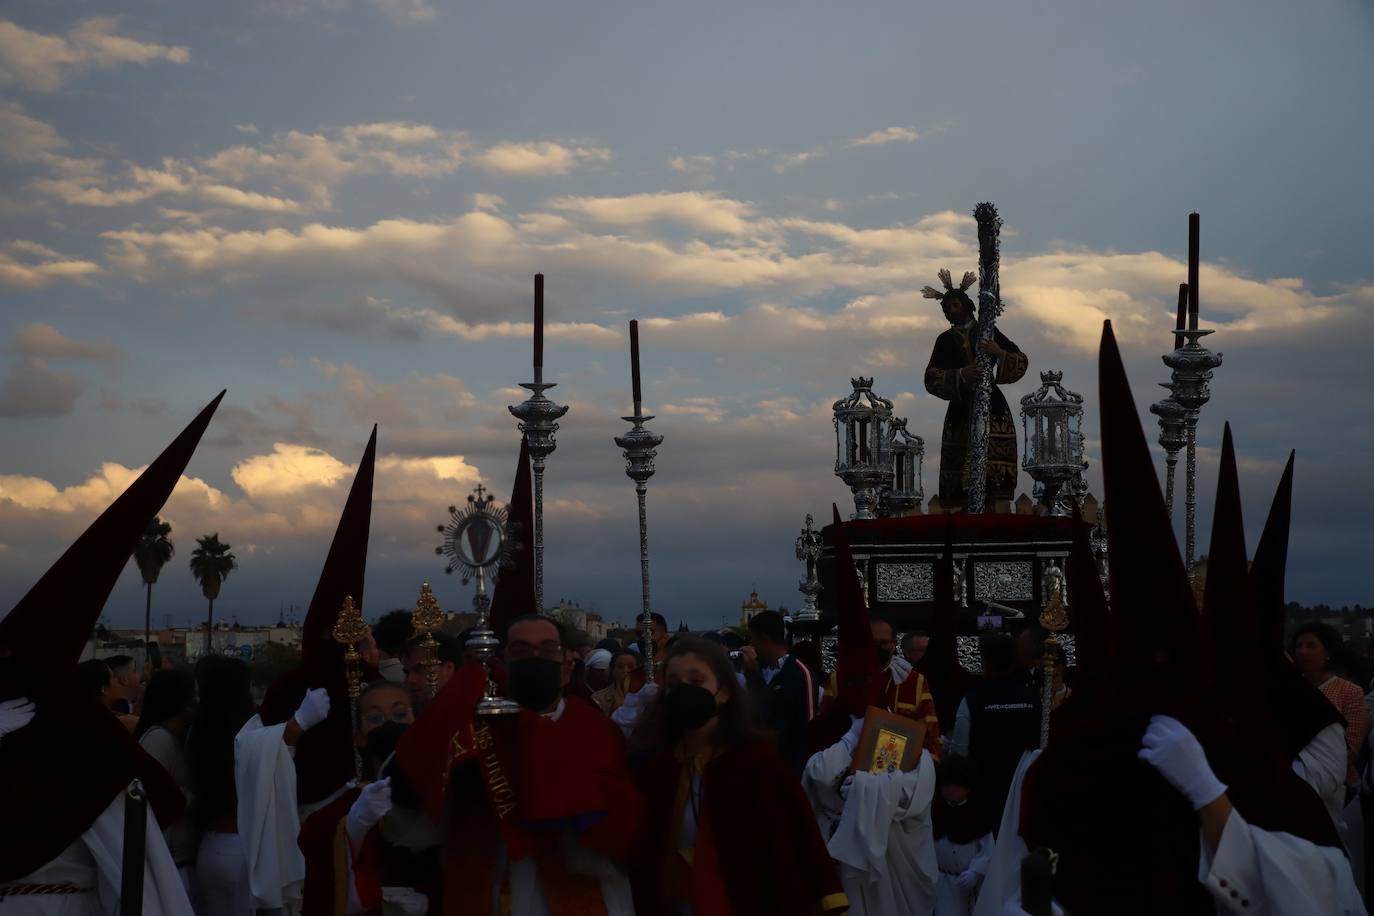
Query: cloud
406	12
43	341
885	136
697	211
32	389
42	62
692	165
29	265
526	160
288	469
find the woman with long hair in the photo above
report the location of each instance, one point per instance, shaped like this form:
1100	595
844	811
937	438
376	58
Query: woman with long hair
727	828
168	706
225	704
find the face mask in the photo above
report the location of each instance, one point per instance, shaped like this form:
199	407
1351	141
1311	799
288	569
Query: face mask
535	683
884	657
689	706
392	670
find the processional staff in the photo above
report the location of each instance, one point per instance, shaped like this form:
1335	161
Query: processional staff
349	630
989	307
427	618
640	446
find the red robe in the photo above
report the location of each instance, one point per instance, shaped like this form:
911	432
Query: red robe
522	781
758	851
325	847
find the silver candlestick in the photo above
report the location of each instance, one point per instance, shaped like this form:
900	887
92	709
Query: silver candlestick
1192	366
1172	438
538	418
809	552
640	447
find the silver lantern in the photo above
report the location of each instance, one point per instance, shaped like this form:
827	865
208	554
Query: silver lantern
1053	421
863	423
905	493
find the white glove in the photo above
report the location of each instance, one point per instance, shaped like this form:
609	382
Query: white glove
846	786
1171	749
967	879
15	714
313	710
406	899
900	669
851	737
370	807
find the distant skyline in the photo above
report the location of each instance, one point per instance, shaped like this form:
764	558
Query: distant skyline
334	209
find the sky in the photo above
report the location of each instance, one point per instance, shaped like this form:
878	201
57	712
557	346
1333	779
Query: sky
334	209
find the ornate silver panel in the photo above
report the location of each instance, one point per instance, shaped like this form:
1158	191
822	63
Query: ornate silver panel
906	582
1003	581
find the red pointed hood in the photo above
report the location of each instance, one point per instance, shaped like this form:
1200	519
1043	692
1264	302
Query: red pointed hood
1088	615
1245	748
54	620
58	773
949	681
514	594
856	658
324	755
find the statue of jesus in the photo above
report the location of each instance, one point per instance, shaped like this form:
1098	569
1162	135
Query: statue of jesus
952	375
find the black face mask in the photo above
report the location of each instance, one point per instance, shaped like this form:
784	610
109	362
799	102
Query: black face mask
884	657
535	683
689	706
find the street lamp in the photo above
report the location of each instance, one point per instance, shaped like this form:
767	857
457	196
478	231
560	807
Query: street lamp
863	422
1053	421
906	492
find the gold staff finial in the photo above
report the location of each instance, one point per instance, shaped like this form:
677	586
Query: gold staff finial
349	630
427	618
1055	619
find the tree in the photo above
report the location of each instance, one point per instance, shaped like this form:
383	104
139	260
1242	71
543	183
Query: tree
273	660
153	552
211	563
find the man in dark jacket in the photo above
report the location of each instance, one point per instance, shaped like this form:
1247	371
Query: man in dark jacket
783	689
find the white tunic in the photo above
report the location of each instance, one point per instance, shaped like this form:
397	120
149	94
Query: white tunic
269	822
95	862
880	834
955	859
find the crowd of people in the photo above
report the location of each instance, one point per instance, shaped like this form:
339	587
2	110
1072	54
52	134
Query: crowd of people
1194	763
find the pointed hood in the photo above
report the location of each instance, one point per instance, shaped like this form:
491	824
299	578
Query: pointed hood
1088	615
856	658
1154	617
1245	748
58	773
514	594
54	620
1270	567
1300	710
948	680
324	755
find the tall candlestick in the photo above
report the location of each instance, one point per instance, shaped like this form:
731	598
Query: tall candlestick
1182	314
538	418
634	364
538	325
1194	231
641	447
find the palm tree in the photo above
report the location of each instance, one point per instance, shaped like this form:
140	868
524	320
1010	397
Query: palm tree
211	563
153	552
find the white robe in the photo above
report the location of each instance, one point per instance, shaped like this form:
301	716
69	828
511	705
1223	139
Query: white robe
1322	765
269	822
1253	872
955	859
96	861
880	834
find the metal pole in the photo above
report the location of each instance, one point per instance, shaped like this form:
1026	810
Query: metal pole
135	849
1190	497
642	493
538	466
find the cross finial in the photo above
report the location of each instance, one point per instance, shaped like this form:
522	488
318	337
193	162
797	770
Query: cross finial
480	491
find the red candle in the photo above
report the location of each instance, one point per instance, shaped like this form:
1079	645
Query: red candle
539	321
1193	232
634	363
1182	314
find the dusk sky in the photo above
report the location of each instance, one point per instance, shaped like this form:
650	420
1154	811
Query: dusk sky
334	209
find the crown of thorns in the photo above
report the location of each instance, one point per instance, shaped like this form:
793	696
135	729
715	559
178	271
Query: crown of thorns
931	292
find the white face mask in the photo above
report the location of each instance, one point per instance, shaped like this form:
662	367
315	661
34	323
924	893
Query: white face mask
392	670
